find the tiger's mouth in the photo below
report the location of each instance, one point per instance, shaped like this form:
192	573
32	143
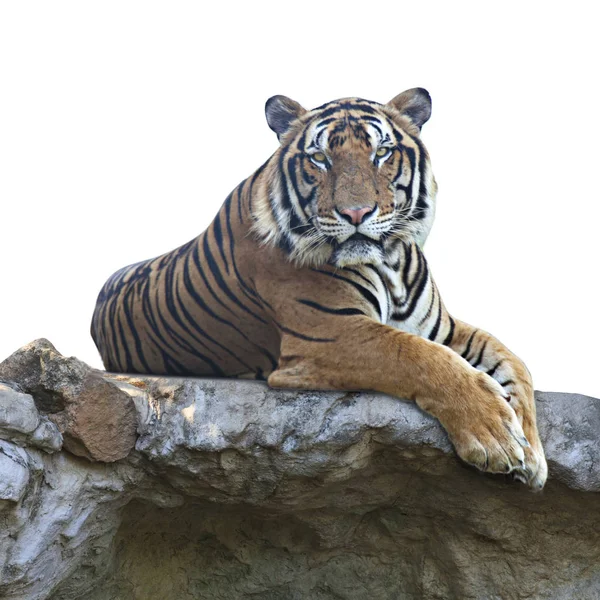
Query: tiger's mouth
355	238
360	237
357	249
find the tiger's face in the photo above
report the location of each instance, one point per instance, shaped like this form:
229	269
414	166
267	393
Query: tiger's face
350	179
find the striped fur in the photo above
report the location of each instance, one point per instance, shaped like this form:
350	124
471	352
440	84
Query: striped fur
312	275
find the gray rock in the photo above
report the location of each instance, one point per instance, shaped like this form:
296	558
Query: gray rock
570	427
20	421
17	411
14	472
236	491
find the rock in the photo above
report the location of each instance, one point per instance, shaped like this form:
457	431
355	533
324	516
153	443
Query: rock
21	422
17	411
571	431
63	526
14	470
236	491
96	419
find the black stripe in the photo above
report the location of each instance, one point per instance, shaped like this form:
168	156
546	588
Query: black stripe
422	205
148	310
436	327
285	243
480	355
253	181
346	106
171	294
111	309
199	300
202	331
295	224
412	159
408	252
302	141
469	342
374	120
507	382
301	336
136	338
189	286
218	234
214	269
421	271
377	126
291	171
308	178
191	290
246	289
450	335
178	338
399	173
430	309
374	269
162	260
359	274
423	277
317	140
128	363
366	294
239	190
333	311
217	298
493	370
399	137
325	122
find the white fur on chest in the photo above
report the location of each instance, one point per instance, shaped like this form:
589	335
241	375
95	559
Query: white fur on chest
404	295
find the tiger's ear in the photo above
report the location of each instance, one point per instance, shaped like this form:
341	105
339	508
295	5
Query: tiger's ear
281	111
414	104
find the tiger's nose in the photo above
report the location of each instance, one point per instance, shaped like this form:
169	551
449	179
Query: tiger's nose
356	215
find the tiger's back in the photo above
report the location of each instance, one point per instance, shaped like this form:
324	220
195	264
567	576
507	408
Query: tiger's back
187	312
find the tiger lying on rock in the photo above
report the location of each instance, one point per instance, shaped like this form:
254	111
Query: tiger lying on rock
312	276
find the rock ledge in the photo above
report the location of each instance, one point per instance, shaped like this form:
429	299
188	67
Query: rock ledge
115	487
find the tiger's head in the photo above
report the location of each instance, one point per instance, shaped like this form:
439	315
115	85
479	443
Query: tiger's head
350	179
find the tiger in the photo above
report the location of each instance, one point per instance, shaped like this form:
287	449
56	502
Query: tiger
312	276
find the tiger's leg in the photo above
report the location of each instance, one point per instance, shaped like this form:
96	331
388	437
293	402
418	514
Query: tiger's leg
487	354
418	307
358	353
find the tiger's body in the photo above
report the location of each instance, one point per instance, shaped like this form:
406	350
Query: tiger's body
312	276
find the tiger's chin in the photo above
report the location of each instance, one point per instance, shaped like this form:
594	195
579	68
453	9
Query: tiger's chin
357	252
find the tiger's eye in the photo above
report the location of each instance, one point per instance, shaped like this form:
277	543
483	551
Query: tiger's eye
382	151
319	157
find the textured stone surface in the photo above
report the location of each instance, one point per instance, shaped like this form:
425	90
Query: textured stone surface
97	420
21	423
237	491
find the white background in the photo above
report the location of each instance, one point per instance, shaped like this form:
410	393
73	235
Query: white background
124	125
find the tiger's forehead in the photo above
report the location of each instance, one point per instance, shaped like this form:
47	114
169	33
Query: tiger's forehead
348	121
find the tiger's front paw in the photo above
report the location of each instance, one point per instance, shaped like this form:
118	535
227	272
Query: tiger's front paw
484	428
535	472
